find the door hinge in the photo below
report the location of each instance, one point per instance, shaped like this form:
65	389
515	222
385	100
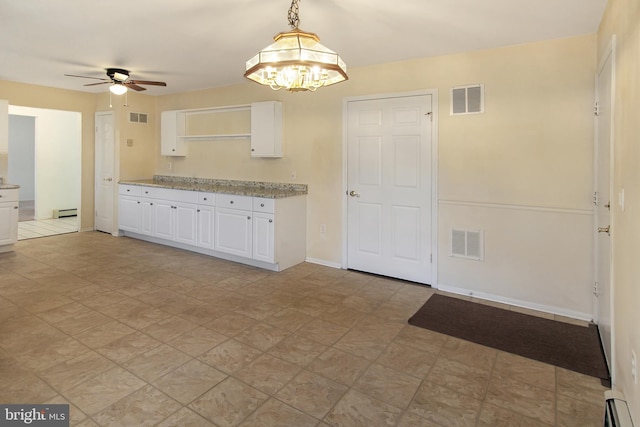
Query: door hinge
596	109
595	198
431	258
596	291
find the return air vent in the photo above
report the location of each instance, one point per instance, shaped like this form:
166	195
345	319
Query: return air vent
138	117
467	100
467	244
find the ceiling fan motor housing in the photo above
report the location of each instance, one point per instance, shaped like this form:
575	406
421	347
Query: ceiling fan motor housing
118	74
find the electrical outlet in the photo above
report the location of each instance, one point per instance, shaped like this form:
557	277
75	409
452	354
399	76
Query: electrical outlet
169	166
634	367
294	175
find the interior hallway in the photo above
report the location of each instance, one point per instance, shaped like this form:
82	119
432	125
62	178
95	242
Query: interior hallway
132	333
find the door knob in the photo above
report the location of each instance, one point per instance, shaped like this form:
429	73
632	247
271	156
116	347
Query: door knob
352	193
604	229
109	180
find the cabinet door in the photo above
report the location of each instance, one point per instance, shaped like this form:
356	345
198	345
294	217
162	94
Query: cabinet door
185	222
205	227
263	237
129	214
164	219
233	231
266	129
147	216
8	223
171	127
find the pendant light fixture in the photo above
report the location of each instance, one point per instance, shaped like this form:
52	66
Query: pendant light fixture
296	61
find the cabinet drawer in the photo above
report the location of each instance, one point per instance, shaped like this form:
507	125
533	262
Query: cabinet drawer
9	195
234	201
207	199
147	191
261	204
130	190
177	195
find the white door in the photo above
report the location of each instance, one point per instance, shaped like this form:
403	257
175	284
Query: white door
105	172
389	186
603	201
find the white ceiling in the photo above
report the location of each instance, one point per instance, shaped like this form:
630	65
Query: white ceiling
198	44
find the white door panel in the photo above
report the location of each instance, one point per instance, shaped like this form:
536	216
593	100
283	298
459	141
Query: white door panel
389	187
104	172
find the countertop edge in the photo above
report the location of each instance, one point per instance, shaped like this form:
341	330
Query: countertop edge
247	188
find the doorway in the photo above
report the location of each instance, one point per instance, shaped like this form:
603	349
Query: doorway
53	137
391	172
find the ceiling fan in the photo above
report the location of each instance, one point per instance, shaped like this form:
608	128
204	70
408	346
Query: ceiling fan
120	81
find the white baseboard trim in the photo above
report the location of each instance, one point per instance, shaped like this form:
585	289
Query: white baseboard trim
518	303
324	262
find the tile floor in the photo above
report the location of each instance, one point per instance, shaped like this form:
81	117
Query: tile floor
135	334
47	227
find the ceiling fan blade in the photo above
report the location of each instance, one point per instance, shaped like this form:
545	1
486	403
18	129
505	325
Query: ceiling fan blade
95	84
86	77
134	86
147	82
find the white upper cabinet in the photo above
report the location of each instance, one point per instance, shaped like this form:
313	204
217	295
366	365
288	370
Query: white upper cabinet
261	122
172	124
266	129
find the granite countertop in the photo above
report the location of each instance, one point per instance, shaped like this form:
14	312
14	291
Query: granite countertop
8	186
270	190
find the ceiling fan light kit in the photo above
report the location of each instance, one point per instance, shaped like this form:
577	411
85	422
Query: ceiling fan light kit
296	61
118	89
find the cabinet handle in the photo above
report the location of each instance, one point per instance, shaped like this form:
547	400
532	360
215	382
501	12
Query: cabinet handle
248	217
198	210
151	204
128	190
262	205
205	198
138	202
173	149
231	202
15	207
270	220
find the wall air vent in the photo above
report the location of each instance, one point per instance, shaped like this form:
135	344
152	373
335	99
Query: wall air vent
138	117
467	100
467	244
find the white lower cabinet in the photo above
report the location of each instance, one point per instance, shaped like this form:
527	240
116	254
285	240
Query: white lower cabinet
269	233
204	227
175	221
8	218
233	231
263	237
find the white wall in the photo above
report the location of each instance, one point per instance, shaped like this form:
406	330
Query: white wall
22	141
4	137
57	151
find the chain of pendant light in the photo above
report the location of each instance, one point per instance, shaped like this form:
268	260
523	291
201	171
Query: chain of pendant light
294	19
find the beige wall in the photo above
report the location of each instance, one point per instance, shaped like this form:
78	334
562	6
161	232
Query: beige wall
621	19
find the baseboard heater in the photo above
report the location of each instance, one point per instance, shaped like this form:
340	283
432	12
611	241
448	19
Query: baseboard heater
63	213
616	411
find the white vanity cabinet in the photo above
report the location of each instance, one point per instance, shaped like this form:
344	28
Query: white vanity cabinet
8	218
233	225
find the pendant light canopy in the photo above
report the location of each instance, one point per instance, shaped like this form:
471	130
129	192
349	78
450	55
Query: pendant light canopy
296	61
